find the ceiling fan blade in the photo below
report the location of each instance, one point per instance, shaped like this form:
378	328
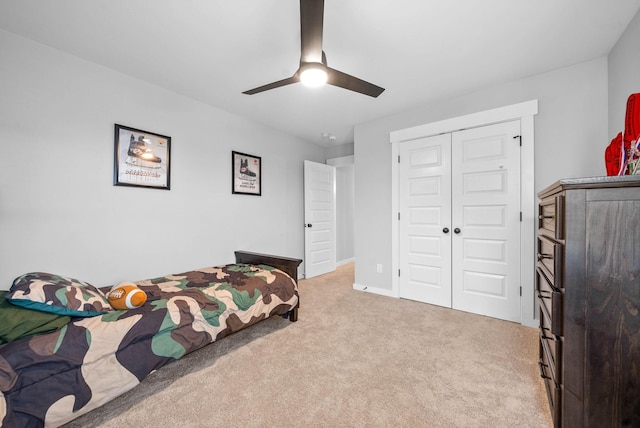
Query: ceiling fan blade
311	22
346	81
279	83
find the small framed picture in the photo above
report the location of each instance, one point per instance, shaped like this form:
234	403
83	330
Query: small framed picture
141	158
246	174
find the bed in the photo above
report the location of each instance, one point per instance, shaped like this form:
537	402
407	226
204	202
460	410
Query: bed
53	376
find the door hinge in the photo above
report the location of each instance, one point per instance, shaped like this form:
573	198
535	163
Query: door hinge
398	215
398	158
520	291
519	137
520	215
398	272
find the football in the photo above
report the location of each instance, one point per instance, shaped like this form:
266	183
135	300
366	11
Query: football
126	295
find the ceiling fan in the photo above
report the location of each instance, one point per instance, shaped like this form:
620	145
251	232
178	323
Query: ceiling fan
313	69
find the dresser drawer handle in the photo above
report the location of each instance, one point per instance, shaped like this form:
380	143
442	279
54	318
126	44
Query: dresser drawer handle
542	371
542	217
544	256
543	297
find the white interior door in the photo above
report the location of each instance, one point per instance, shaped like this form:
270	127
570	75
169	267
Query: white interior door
319	218
486	220
425	220
459	224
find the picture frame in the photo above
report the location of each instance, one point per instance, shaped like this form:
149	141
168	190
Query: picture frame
246	174
141	158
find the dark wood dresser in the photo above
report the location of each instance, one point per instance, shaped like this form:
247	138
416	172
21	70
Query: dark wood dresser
588	285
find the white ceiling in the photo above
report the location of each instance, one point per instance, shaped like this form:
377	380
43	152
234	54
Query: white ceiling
419	50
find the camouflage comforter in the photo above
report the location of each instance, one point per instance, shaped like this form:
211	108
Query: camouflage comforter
53	378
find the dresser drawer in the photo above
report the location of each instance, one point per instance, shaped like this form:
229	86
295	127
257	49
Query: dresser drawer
551	301
552	350
551	217
553	392
551	259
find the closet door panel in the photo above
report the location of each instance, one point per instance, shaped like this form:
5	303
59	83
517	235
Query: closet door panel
425	210
486	217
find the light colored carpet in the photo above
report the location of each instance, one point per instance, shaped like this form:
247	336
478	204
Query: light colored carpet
353	359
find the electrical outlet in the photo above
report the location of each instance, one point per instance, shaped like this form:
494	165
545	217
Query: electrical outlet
379	268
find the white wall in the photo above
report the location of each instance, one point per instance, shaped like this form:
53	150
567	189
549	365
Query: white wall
59	211
624	75
345	208
341	156
338	151
345	211
570	137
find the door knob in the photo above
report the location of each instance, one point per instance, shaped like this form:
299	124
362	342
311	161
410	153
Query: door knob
309	225
456	230
445	230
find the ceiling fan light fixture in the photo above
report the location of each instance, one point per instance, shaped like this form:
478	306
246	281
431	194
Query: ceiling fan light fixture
313	75
313	70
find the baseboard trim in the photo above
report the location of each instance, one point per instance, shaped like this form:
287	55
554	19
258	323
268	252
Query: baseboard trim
345	261
374	290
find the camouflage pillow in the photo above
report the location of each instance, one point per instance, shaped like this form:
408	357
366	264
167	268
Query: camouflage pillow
57	295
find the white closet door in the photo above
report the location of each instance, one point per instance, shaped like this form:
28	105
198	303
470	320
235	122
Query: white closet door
486	220
425	207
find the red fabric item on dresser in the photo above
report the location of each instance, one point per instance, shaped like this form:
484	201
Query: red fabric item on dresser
613	154
632	120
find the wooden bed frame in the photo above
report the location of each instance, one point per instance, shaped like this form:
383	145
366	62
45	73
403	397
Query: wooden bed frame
285	264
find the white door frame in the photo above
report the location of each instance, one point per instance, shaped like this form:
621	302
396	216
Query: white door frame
522	111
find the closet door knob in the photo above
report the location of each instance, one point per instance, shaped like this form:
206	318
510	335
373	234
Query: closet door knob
445	230
456	230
